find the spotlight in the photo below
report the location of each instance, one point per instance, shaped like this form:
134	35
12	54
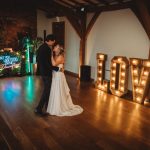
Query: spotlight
82	9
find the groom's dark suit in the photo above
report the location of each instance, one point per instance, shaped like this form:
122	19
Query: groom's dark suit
44	66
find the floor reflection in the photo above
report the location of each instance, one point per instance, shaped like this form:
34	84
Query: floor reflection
10	91
29	89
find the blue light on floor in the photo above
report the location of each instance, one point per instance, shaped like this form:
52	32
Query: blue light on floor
11	92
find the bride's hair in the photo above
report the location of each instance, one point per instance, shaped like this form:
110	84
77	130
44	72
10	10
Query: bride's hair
61	48
61	51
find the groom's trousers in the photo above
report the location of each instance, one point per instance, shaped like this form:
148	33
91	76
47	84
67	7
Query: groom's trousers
47	81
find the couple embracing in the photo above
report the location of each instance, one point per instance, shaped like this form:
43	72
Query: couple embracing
56	93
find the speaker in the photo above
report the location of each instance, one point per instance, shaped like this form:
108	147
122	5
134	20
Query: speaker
85	73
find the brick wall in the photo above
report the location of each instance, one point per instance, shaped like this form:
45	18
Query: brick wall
14	22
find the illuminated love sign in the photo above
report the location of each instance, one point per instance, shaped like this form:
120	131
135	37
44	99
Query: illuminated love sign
119	76
102	84
9	60
140	72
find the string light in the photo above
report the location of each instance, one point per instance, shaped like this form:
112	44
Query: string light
123	66
99	79
114	64
23	56
100	64
119	59
122	81
136	81
113	71
113	78
122	88
143	82
101	56
123	74
138	99
148	64
113	85
135	62
146	73
135	71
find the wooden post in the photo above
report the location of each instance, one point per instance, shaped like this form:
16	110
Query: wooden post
144	15
91	23
83	40
149	57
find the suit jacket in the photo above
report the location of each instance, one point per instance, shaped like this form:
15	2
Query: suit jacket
44	64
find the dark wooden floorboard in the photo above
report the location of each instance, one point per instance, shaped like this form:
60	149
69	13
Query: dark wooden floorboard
107	123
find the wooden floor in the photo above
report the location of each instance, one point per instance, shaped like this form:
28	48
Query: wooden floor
107	123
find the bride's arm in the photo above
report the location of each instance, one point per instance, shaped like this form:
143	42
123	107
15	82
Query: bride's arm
53	61
58	60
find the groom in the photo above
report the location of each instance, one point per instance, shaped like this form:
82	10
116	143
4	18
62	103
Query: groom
45	71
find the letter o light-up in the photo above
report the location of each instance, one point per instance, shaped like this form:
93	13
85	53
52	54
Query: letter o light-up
119	75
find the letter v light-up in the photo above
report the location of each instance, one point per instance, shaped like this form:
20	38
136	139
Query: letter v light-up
140	71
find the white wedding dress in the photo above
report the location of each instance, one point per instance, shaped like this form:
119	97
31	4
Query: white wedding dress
60	102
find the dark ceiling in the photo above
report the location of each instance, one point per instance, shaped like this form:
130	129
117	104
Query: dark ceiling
89	3
57	7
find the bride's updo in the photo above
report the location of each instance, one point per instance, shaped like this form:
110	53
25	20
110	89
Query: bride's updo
61	52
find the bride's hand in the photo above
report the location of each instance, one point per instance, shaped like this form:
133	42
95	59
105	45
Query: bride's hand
61	69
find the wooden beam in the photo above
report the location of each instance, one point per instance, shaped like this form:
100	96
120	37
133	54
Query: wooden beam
85	32
75	24
120	1
109	7
83	40
103	2
66	10
76	2
90	2
149	54
90	25
66	3
72	17
144	15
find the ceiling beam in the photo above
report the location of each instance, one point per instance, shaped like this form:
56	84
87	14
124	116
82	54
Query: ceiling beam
73	17
77	3
66	10
109	7
66	3
90	2
120	1
103	2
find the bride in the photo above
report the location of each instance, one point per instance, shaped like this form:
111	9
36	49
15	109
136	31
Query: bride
60	102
